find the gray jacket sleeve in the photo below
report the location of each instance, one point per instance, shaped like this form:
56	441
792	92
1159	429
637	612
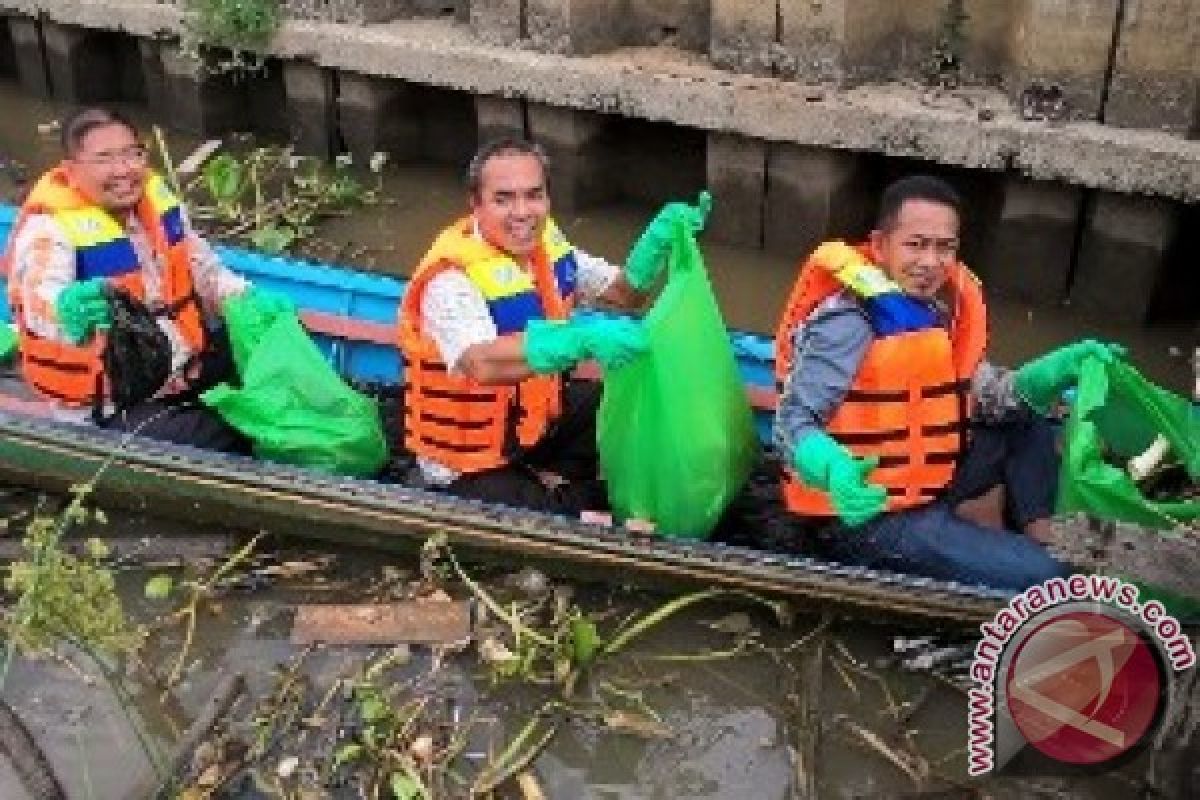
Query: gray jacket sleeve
827	351
996	398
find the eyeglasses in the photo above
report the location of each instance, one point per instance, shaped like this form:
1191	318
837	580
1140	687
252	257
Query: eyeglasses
131	155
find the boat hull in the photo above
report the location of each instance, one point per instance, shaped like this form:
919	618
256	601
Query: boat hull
351	316
196	485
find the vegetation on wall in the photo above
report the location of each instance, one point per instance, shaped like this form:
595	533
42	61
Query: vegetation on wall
943	67
243	28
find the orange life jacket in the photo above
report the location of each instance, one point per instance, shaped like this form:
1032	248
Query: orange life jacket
71	373
908	403
453	420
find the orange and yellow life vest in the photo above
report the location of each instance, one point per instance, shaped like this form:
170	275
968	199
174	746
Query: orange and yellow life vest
453	420
908	403
71	373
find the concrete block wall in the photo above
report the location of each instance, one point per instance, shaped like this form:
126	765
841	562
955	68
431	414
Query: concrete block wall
311	93
814	194
679	23
377	115
8	52
577	27
1029	251
737	178
88	66
1066	42
744	35
499	118
368	12
1156	75
1123	254
448	126
583	27
654	162
190	100
500	22
1042	242
29	53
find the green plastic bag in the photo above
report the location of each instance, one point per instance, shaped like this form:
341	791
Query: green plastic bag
292	404
1116	415
675	430
8	341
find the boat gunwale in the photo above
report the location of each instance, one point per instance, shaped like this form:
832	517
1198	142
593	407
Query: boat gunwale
504	528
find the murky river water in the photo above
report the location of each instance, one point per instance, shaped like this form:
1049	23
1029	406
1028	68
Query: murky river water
731	727
734	722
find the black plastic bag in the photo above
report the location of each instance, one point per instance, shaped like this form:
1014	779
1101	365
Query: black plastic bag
137	353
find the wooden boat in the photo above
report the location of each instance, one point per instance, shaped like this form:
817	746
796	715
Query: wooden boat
351	316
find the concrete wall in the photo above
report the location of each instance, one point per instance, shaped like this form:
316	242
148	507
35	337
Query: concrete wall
677	23
1067	42
29	53
593	26
1156	77
367	12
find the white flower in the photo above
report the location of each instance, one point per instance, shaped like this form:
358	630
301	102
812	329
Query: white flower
378	159
343	160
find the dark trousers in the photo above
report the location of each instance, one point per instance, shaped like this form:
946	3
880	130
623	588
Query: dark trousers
934	541
567	450
181	418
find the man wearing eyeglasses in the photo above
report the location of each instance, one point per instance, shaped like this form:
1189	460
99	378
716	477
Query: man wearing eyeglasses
101	221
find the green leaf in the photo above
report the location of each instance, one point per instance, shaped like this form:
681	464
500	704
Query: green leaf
158	587
405	787
347	753
225	178
344	190
96	549
372	709
273	238
585	640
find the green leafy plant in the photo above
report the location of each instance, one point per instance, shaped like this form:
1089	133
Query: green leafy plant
567	645
272	199
65	597
243	27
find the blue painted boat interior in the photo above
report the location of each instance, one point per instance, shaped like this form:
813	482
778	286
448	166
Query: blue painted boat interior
374	297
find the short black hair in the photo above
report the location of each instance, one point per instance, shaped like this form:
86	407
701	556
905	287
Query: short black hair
507	145
915	187
86	120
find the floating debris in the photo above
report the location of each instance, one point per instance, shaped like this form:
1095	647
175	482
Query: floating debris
416	621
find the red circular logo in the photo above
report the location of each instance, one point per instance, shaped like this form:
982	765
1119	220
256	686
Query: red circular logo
1083	688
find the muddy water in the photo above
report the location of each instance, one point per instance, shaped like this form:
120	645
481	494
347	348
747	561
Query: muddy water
732	725
735	722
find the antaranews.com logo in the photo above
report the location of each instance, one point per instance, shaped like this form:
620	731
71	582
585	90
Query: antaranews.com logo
1077	668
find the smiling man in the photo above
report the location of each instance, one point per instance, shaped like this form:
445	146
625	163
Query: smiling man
488	340
890	417
101	221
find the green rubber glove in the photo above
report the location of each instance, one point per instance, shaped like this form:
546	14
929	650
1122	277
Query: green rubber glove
82	307
615	342
1042	381
649	252
824	464
554	346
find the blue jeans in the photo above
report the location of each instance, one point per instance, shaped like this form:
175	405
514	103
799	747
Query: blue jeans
932	541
